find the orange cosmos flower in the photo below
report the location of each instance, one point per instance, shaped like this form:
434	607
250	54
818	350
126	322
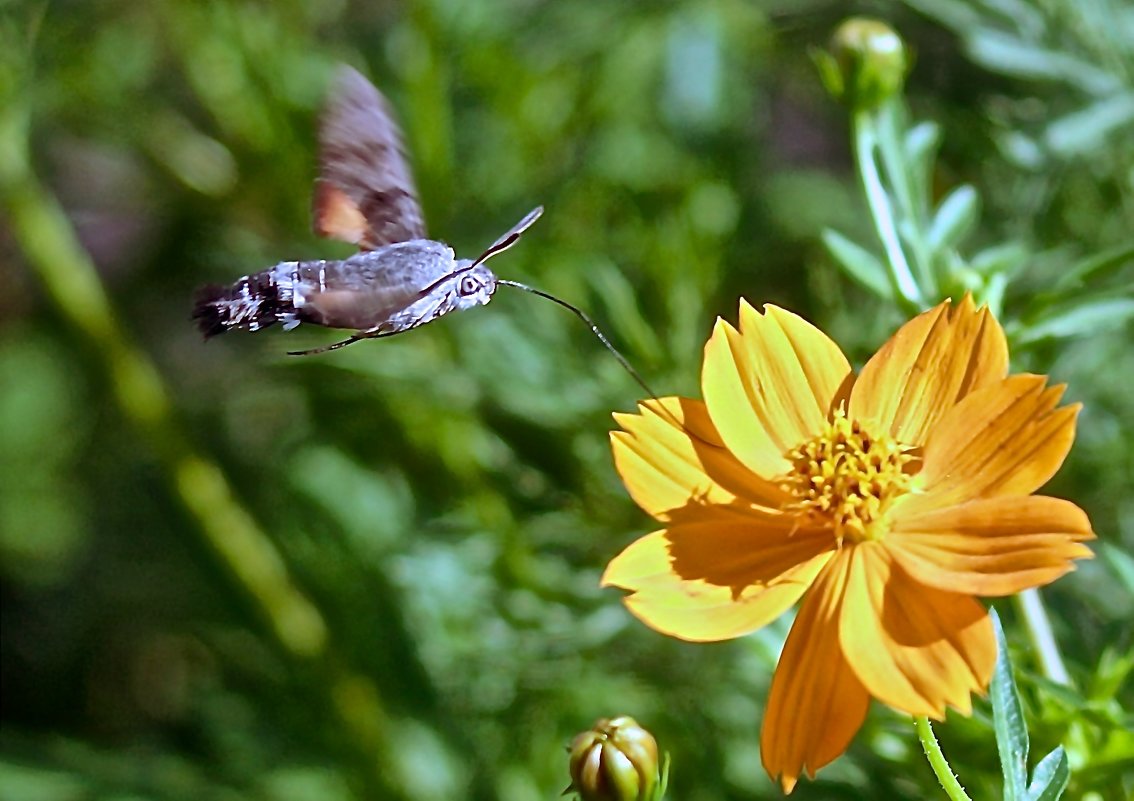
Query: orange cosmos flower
885	501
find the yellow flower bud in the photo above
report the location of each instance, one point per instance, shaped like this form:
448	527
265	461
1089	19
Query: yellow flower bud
615	760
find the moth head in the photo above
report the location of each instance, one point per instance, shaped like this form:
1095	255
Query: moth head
475	285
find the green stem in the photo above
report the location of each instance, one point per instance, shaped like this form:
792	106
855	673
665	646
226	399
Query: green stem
937	761
907	187
902	280
1032	609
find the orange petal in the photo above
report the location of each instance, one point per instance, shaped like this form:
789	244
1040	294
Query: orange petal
914	647
816	703
771	385
1006	439
992	547
932	362
717	579
670	456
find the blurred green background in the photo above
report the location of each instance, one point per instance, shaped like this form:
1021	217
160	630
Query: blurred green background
408	606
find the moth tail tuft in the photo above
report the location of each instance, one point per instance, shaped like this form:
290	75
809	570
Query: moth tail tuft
209	313
251	303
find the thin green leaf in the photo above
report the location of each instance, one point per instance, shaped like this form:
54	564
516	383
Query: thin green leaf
955	218
625	316
1020	16
1008	55
1089	129
1008	721
1050	777
1098	267
859	263
995	289
1004	259
1078	318
920	144
663	784
1022	149
1120	563
829	73
1055	693
1112	672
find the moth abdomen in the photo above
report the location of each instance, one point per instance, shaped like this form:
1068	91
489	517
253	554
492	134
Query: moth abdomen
253	302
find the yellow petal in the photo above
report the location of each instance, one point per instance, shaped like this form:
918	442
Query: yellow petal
717	579
1006	439
993	547
914	647
932	362
670	456
816	703
771	385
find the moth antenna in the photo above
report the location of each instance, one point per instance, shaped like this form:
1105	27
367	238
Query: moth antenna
512	237
582	315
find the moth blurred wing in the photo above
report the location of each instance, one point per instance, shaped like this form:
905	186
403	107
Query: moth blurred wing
366	193
335	215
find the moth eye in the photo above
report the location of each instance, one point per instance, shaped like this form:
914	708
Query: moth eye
468	285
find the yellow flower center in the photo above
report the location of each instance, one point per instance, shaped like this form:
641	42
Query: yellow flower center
847	477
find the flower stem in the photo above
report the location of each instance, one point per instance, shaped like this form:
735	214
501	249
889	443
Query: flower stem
907	189
937	761
1040	632
866	140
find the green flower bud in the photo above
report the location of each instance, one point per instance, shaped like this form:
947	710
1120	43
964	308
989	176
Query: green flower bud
867	63
616	760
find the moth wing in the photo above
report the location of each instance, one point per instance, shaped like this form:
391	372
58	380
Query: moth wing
365	194
337	216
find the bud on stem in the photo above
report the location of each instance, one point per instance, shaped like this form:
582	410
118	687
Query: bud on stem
866	65
615	760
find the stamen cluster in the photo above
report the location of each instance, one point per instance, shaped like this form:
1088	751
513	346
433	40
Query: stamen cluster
848	477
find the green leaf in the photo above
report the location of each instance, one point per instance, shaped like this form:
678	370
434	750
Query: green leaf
859	263
1111	673
829	72
663	784
1055	694
1120	563
1050	777
1078	318
625	316
1022	150
920	145
1004	259
1097	267
1008	721
955	217
1004	53
1089	129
